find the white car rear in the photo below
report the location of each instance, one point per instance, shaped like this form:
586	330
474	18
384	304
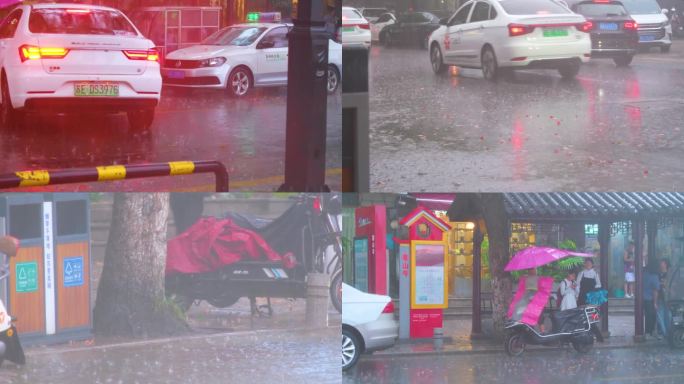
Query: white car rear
368	324
376	26
653	25
500	35
74	57
355	28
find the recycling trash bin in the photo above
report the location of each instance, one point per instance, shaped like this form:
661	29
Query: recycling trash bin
48	289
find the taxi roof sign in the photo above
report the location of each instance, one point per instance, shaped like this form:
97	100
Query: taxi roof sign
264	17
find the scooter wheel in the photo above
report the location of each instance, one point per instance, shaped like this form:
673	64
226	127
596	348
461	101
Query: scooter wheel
515	344
677	338
583	347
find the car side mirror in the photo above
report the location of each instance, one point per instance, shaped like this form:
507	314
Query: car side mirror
443	21
266	44
665	11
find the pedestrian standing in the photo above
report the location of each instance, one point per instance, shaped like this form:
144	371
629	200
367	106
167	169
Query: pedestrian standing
662	312
629	270
588	281
568	291
651	287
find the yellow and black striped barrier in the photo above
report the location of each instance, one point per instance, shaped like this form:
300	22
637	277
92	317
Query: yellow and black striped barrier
43	177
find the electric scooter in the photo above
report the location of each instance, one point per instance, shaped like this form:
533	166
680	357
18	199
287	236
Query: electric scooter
576	326
10	347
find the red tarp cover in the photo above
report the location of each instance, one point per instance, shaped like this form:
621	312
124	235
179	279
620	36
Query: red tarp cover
212	243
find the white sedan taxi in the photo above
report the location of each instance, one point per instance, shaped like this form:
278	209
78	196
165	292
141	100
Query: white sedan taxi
238	58
502	35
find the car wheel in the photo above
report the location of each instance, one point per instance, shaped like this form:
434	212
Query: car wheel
665	49
336	290
9	116
490	67
141	120
388	40
223	301
569	71
623	61
239	82
351	349
333	78
436	59
382	39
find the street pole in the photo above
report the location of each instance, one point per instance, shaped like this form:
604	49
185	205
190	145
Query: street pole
307	100
638	237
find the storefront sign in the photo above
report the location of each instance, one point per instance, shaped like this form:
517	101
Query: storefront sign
428	278
361	248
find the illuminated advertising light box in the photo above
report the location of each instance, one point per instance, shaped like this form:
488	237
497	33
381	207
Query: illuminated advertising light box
428	275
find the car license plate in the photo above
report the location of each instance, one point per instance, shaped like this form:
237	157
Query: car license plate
176	75
348	29
555	32
608	26
96	89
646	38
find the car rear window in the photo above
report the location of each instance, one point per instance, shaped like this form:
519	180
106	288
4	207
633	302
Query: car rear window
533	7
80	22
599	10
351	14
642	7
374	12
241	36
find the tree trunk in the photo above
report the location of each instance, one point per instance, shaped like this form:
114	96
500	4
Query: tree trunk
496	222
130	297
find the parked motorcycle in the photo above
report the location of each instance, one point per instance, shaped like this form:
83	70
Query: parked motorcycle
10	347
576	326
307	230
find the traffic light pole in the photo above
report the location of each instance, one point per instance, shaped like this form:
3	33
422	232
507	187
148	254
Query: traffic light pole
307	97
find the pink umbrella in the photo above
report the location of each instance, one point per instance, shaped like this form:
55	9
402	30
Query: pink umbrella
534	257
9	3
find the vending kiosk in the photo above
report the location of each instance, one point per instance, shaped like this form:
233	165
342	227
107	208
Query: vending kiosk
48	288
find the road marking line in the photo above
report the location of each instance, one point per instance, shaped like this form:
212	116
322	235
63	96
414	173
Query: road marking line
632	378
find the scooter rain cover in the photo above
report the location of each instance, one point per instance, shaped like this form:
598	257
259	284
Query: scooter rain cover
530	299
213	243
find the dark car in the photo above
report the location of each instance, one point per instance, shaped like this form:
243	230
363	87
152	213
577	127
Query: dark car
614	34
412	28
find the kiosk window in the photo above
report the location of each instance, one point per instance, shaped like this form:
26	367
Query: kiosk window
25	221
72	217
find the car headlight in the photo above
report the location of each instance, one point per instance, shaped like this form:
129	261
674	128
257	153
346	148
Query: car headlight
213	62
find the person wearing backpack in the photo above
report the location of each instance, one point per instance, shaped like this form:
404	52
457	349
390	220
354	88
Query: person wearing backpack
568	292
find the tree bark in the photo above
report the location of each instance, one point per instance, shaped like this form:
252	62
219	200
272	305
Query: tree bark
130	296
497	225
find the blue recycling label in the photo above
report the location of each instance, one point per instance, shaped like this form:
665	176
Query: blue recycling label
73	271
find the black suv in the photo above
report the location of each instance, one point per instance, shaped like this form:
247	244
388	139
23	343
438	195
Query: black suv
614	33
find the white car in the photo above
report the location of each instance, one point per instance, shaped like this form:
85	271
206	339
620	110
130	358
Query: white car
653	24
75	57
368	324
355	28
502	35
376	26
239	58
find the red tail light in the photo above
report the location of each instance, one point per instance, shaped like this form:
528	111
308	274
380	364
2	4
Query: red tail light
389	308
585	27
630	26
149	55
31	52
361	26
519	29
317	205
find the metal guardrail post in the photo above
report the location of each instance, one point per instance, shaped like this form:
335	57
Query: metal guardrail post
42	177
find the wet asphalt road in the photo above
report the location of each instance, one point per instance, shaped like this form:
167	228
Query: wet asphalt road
274	357
610	129
247	135
647	365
